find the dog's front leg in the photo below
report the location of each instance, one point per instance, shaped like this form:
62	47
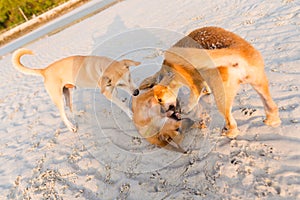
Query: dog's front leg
123	106
119	103
193	101
195	96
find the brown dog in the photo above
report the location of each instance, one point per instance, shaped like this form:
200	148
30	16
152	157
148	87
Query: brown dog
223	60
156	121
82	71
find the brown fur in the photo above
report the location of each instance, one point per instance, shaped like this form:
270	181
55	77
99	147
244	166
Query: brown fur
224	60
154	125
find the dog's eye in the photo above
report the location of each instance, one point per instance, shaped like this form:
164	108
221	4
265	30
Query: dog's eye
169	139
159	100
108	83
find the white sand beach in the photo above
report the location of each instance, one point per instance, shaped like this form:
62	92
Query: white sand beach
107	158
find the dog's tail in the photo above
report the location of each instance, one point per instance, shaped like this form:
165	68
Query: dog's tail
16	60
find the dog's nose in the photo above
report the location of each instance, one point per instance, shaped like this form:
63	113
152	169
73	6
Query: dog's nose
136	92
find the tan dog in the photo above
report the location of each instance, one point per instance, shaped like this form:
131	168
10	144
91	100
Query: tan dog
184	75
159	126
82	71
224	60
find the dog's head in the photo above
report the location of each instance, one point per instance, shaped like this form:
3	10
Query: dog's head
168	136
165	97
120	77
172	133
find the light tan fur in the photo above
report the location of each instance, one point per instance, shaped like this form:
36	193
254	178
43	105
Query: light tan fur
223	60
81	71
155	124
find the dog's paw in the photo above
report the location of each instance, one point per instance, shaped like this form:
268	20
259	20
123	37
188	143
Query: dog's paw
230	133
186	110
73	128
200	124
206	90
275	122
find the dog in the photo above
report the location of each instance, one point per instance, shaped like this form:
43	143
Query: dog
156	119
222	60
185	75
82	71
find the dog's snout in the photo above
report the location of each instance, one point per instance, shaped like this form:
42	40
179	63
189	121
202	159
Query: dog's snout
136	92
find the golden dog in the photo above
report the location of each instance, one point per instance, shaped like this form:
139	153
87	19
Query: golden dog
82	71
155	118
223	60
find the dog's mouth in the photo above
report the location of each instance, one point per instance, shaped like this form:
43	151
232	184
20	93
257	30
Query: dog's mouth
171	112
171	108
175	115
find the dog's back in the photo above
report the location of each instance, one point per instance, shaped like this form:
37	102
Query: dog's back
211	38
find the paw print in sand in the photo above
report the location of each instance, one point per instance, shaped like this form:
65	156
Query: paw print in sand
248	111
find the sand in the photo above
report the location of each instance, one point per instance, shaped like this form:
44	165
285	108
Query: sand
107	158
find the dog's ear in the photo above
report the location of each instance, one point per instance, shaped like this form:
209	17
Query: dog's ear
166	79
128	63
165	138
148	83
171	144
158	91
106	81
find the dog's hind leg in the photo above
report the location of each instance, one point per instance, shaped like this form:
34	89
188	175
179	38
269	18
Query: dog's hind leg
67	91
271	109
56	93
